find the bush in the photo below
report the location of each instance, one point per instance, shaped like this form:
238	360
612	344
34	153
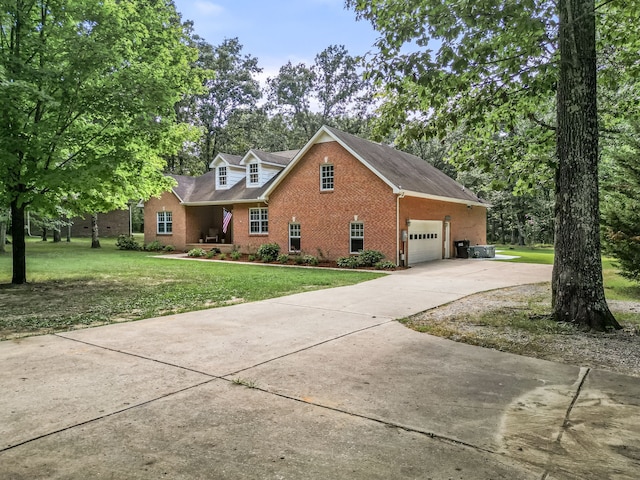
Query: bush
283	258
223	256
268	252
154	246
298	259
211	253
385	265
169	248
348	262
196	252
310	260
368	258
251	258
127	242
235	255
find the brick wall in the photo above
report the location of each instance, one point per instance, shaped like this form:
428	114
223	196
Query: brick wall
110	224
167	202
325	217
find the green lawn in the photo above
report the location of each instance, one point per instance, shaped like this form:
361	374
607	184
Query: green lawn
616	287
71	284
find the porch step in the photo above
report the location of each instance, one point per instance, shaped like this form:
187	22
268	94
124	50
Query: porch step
223	247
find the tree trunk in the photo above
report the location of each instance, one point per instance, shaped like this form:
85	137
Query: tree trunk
577	284
3	236
19	246
56	235
44	234
95	241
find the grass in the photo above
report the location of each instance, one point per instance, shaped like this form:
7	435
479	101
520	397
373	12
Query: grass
616	287
72	285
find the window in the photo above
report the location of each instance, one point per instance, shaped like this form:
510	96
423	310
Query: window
222	176
294	237
357	237
254	176
326	177
258	220
165	222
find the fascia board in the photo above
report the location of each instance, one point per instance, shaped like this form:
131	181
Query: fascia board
446	199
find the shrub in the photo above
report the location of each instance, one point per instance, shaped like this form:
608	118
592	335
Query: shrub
154	246
223	256
310	260
251	258
211	253
298	259
348	262
169	248
268	252
235	255
385	265
283	258
196	252
127	242
368	258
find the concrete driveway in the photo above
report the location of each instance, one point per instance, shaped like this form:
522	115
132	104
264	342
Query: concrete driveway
321	385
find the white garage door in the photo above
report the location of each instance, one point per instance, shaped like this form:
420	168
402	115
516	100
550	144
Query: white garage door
425	241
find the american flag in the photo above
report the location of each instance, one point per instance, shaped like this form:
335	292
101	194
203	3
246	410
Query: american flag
226	218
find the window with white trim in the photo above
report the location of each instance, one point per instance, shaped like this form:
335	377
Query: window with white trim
326	177
294	237
222	176
164	222
356	237
258	221
254	174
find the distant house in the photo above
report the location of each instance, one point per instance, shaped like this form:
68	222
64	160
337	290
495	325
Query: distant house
336	196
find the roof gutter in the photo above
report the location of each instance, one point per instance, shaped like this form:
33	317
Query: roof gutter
224	202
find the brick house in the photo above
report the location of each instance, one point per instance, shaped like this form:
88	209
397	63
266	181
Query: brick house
339	194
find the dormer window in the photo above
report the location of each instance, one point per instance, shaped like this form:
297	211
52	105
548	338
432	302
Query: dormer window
254	174
222	176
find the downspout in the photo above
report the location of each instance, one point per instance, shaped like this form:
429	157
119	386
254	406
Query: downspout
398	240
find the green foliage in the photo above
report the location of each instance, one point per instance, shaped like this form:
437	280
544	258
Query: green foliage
283	258
620	211
223	256
154	246
268	252
88	113
236	255
169	248
212	253
368	258
310	260
252	258
348	262
196	252
127	242
385	265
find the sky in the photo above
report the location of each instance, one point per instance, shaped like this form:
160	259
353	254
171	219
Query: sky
278	31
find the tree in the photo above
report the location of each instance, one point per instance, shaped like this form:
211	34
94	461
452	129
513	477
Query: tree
88	89
499	62
620	212
233	88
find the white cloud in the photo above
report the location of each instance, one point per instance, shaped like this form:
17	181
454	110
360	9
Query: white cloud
208	8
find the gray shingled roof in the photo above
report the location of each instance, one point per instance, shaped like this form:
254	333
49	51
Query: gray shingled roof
231	159
405	171
276	158
202	189
402	170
